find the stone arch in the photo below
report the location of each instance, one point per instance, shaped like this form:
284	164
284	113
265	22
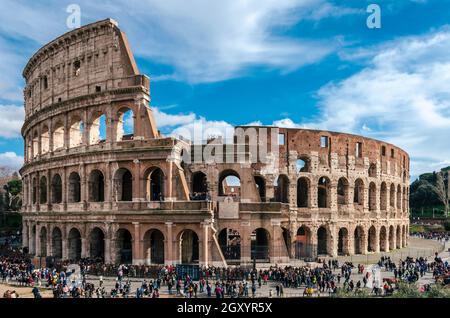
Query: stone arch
261	187
230	243
35	144
322	241
372	196
96	186
123	185
229	183
189	247
74	244
282	189
372	170
383	239
303	164
74	194
323	192
43	190
342	191
98	128
260	241
303	188
124	250
343	242
383	196
34	191
287	240
125	128
58	136
372	239
57	243
392	196
391	238
199	185
398	237
76	131
358	197
43	241
154	184
360	238
45	139
56	187
154	247
303	245
97	244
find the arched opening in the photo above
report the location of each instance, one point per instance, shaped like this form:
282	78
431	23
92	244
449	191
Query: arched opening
303	192
57	243
34	191
372	170
391	238
342	191
125	124
97	129
303	246
260	244
372	197
74	188
229	184
392	196
358	198
35	144
372	239
97	244
96	186
124	254
343	241
199	186
123	182
154	247
45	140
261	187
360	238
230	244
383	196
303	164
58	136
43	190
56	189
399	197
398	237
282	189
76	132
43	241
189	247
154	184
287	240
383	245
323	193
74	242
322	241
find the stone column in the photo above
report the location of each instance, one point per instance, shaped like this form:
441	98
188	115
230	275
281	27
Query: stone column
377	239
38	240
205	244
30	238
245	243
65	249
136	244
108	253
49	241
168	245
84	247
25	235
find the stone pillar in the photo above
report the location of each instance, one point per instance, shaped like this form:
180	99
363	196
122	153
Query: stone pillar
333	241
168	245
25	235
84	247
30	238
38	240
66	132
245	243
65	247
136	244
205	244
377	239
49	241
351	240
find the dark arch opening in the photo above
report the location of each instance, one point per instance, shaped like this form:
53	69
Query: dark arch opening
96	186
154	246
260	244
189	247
57	243
124	247
230	244
155	185
282	189
43	190
322	241
323	189
302	192
199	186
261	186
343	241
74	244
229	184
56	189
74	188
97	244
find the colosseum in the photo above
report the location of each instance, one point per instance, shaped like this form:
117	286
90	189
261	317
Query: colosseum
94	190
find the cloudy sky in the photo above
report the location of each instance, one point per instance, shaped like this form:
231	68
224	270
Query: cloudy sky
292	63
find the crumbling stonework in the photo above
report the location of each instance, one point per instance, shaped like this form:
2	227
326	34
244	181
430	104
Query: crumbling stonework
132	198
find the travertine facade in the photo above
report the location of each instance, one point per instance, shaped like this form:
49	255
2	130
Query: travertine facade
131	197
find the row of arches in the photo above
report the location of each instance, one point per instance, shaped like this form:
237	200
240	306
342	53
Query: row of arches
122	183
73	133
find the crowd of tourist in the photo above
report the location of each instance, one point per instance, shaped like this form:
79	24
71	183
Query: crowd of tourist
438	236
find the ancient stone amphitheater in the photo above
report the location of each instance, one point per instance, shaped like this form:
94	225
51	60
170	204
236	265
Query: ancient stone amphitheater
92	190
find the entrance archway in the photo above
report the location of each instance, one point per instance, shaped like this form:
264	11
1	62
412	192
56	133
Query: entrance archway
97	244
260	244
154	247
124	251
74	241
372	239
154	179
383	245
360	238
230	243
57	243
322	241
303	246
343	241
189	247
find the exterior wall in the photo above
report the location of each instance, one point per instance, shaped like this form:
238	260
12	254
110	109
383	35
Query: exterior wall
147	188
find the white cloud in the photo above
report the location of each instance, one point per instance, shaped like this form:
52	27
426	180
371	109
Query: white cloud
164	120
11	160
11	120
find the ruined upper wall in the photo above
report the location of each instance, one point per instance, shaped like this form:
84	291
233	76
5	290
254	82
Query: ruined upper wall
91	59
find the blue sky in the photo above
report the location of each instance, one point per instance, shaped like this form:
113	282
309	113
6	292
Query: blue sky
292	63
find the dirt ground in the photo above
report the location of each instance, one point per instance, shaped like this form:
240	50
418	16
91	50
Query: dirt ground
24	292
